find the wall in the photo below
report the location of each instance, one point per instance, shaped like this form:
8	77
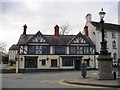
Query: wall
12	54
59	61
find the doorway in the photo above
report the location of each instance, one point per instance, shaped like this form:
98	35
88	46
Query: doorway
77	63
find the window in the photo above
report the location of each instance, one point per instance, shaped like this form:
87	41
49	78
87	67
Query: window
54	63
113	34
114	44
105	34
114	57
67	62
39	49
86	50
60	50
43	62
73	50
31	49
30	62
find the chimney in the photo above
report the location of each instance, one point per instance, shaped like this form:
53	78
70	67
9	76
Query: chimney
88	17
24	29
56	30
86	31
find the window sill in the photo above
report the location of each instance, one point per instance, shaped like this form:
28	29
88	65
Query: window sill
54	66
114	37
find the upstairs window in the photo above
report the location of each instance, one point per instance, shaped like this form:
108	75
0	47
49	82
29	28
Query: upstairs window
86	50
60	49
114	44
113	34
38	49
73	50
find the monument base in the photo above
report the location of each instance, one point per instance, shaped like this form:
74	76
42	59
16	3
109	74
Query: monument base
105	67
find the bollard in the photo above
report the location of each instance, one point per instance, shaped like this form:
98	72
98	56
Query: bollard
114	74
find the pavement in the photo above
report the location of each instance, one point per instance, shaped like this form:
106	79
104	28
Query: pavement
93	81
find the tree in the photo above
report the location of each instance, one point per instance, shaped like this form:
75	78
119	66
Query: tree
3	57
3	47
65	29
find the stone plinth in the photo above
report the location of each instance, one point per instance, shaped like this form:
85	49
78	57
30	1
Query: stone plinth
105	67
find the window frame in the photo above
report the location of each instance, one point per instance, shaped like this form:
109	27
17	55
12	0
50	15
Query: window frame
114	44
43	63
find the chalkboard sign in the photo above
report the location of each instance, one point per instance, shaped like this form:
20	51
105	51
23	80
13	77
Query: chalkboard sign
84	69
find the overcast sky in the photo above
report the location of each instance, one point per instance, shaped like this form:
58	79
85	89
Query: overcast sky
41	15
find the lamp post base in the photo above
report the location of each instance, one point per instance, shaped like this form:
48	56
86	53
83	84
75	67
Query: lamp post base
105	67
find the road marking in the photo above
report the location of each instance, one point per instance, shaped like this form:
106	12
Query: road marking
49	81
83	86
94	73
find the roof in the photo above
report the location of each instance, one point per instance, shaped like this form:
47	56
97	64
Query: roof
59	40
55	40
107	26
24	38
14	47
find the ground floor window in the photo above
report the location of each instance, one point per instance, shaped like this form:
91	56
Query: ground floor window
43	62
30	62
53	62
67	62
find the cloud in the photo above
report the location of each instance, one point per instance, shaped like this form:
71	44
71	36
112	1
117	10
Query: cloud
44	16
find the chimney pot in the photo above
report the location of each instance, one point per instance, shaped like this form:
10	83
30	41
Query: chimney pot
24	29
88	17
56	30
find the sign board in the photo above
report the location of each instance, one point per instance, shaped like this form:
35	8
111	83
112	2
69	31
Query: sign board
84	69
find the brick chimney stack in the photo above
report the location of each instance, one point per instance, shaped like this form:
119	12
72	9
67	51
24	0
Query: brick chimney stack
56	30
86	31
24	29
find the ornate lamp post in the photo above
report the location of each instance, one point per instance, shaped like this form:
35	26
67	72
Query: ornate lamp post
104	59
104	50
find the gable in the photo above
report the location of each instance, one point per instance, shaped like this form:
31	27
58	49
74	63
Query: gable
38	38
80	39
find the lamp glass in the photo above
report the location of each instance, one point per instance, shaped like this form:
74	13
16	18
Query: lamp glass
102	14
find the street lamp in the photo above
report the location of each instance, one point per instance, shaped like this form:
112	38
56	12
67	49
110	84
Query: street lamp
104	59
17	59
103	50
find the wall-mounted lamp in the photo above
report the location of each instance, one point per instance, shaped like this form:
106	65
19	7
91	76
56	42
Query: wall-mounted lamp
21	59
47	59
17	57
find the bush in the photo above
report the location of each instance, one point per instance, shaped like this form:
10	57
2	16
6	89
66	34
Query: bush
8	69
12	62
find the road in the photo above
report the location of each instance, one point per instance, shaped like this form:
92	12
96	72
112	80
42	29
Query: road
40	80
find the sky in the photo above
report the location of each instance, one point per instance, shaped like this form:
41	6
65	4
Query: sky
43	15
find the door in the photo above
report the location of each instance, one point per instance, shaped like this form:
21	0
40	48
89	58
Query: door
30	62
77	63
